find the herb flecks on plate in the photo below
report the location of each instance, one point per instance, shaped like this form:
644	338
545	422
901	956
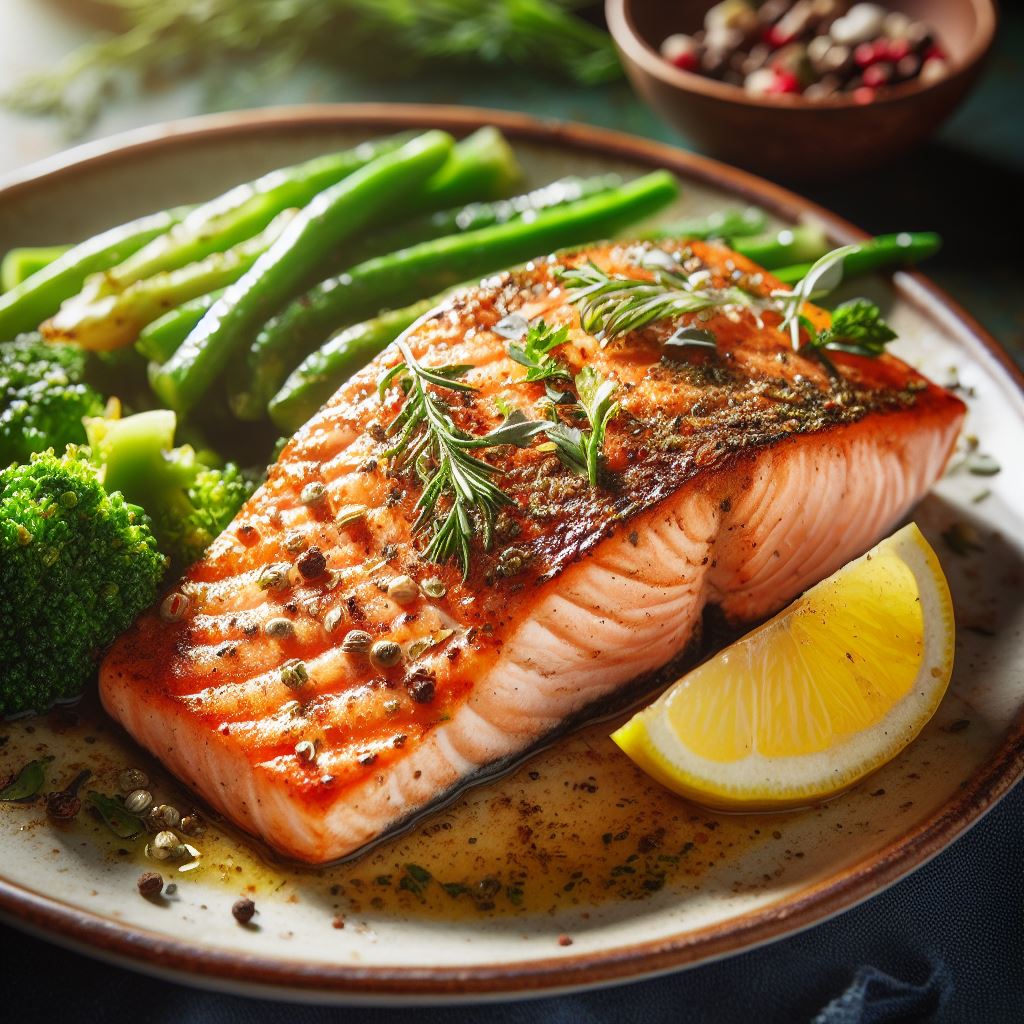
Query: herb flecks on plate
427	440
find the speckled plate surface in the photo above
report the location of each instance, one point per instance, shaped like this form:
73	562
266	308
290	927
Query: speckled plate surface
574	871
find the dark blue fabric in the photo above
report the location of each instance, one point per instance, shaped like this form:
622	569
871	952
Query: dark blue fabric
945	945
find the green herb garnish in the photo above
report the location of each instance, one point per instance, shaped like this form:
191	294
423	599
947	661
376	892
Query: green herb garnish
824	276
611	304
28	782
535	353
857	326
116	817
427	439
580	450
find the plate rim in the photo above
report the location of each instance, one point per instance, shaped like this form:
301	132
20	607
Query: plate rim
146	950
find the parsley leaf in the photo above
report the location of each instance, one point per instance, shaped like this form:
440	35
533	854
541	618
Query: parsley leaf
580	450
535	354
857	326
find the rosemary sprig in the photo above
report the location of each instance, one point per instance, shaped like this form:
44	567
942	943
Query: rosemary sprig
426	438
612	304
580	450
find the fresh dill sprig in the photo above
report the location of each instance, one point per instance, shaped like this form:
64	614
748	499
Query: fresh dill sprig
426	438
580	450
612	304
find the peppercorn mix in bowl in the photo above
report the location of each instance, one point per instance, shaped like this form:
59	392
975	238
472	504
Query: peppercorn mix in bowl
803	89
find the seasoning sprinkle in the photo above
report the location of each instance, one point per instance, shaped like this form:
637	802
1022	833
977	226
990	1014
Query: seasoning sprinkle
192	825
313	493
356	641
278	628
131	779
138	800
174	607
164	846
294	673
164	816
242	910
403	589
312	563
385	653
305	750
294	541
349	514
273	576
150	884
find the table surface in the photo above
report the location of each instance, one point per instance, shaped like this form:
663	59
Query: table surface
966	185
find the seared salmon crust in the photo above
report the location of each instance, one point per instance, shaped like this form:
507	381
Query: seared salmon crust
735	476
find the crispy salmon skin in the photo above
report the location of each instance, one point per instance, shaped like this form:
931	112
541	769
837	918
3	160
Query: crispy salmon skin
736	475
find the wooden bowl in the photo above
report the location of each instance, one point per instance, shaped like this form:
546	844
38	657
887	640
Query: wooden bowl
788	136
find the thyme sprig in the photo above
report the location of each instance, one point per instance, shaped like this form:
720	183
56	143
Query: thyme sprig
426	438
613	304
580	450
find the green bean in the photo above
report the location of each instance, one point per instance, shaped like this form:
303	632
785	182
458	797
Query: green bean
102	322
322	372
159	340
249	391
728	223
405	276
481	166
884	252
335	214
474	216
797	244
244	211
26	306
20	264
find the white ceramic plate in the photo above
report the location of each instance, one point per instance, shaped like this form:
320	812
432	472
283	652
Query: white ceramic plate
595	874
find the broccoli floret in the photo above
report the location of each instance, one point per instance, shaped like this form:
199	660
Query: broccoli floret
77	565
43	397
189	497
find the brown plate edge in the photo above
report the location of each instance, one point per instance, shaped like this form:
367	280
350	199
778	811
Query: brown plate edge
99	936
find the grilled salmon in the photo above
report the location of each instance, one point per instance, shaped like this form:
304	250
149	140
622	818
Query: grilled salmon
734	474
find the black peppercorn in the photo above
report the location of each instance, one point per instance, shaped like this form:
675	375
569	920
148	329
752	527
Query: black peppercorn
312	563
151	884
243	910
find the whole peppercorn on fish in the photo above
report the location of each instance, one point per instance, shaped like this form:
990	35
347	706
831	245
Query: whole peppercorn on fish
735	473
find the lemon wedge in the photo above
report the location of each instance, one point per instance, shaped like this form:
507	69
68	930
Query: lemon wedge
807	704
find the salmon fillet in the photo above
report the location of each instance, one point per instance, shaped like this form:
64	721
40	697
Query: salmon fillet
734	477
